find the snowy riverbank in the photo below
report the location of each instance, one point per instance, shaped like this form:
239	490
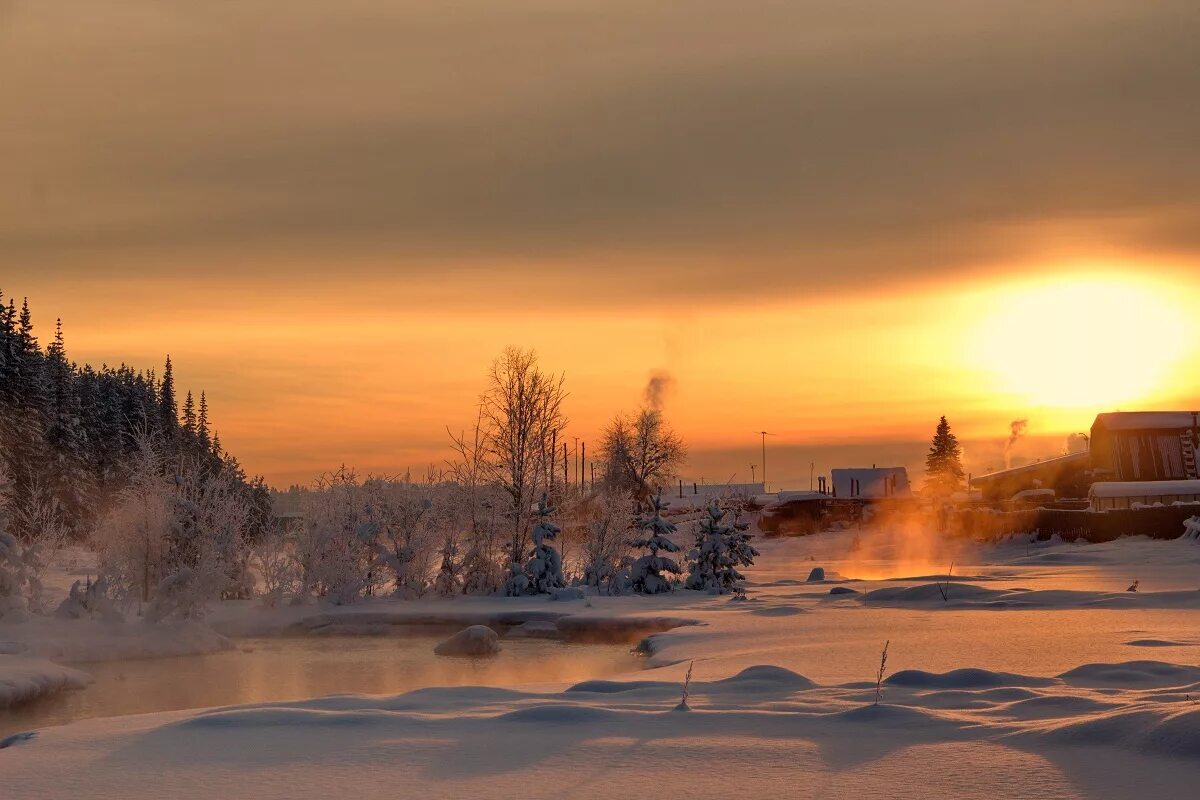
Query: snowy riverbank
1036	676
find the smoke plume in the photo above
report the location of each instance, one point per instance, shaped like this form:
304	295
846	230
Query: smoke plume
656	389
1016	429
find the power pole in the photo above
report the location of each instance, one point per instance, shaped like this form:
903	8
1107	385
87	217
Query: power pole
582	461
764	435
752	468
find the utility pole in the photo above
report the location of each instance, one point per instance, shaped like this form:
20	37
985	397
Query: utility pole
752	468
764	435
582	461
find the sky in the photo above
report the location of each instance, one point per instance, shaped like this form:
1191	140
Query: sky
834	221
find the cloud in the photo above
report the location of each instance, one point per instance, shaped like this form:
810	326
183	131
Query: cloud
809	144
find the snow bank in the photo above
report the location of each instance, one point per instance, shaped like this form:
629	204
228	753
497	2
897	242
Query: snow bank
962	679
1132	674
23	679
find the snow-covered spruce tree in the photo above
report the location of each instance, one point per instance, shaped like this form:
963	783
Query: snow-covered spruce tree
544	569
720	549
646	576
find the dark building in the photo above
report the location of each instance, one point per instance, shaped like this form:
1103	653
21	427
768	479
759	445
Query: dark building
1124	446
1145	446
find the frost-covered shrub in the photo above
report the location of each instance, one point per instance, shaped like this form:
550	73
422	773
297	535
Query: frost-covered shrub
20	583
89	601
396	527
183	595
172	516
545	564
333	560
720	549
605	543
272	559
648	575
1191	530
448	581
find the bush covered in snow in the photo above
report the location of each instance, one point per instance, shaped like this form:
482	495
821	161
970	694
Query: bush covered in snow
648	575
606	543
720	549
20	583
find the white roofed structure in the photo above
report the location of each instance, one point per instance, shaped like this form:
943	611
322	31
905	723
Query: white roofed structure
874	483
1114	495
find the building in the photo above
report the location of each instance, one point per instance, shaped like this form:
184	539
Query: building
1146	446
1118	495
1124	446
875	483
1067	476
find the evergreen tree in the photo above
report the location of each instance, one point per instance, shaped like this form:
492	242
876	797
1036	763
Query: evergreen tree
69	435
202	420
189	415
67	476
944	471
647	573
168	413
720	550
544	569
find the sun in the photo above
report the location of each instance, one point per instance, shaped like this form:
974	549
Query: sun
1082	341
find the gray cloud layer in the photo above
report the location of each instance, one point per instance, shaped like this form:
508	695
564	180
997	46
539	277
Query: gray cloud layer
789	141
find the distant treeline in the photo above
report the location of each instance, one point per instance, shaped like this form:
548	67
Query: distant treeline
69	434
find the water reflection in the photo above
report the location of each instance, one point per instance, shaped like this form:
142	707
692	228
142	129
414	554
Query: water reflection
263	670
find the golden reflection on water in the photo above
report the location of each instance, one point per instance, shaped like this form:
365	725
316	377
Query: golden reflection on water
265	670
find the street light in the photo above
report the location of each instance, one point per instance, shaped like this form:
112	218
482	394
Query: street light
764	435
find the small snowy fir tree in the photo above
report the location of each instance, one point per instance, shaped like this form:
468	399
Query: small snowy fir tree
720	549
544	569
646	576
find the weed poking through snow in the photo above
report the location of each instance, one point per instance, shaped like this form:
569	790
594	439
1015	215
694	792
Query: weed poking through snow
879	675
687	683
944	588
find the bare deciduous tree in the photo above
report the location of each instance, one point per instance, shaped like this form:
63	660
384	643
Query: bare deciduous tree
641	453
521	416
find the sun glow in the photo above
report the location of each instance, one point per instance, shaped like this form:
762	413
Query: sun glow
1094	341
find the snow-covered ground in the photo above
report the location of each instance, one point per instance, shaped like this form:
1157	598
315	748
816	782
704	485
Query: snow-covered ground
1028	671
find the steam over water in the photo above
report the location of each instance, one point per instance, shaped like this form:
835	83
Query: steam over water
263	670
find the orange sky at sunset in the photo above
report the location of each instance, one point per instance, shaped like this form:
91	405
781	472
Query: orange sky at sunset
302	381
831	220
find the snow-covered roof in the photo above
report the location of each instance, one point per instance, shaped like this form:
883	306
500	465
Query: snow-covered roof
1144	488
1034	494
1060	461
1145	420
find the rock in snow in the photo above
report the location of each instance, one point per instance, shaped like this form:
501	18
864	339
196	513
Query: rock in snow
477	640
817	574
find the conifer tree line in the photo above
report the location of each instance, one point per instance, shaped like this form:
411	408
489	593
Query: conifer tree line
70	434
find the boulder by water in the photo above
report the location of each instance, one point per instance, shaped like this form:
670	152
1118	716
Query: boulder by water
477	640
